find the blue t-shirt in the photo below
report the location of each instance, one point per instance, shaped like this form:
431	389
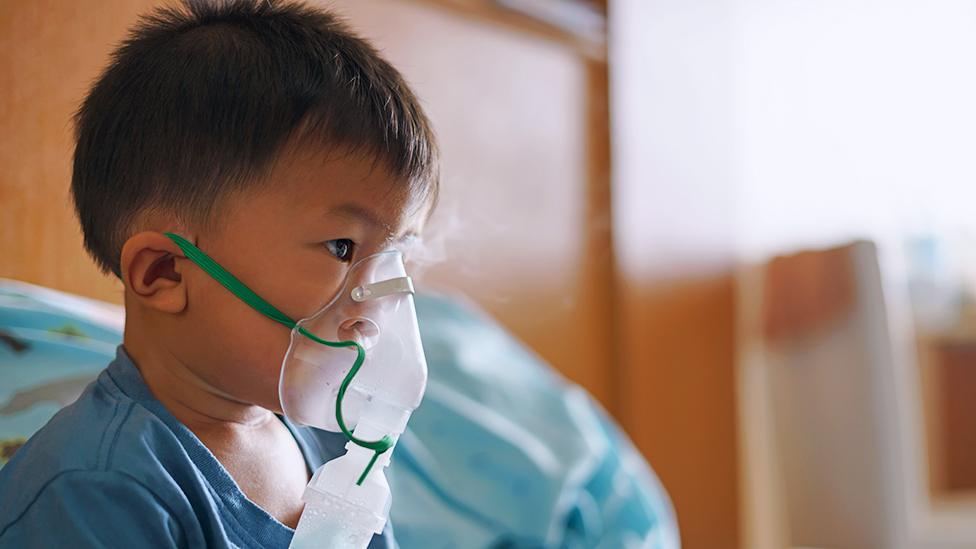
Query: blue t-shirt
117	469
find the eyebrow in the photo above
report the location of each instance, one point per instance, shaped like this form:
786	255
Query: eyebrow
355	210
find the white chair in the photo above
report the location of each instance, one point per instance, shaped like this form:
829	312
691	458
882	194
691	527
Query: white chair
831	437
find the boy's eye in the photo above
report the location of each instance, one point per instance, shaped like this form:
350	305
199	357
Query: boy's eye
341	248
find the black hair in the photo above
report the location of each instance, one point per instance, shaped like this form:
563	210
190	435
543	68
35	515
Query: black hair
201	98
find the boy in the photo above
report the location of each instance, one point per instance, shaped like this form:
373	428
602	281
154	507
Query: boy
284	146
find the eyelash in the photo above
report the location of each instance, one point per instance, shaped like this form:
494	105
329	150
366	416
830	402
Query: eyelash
333	246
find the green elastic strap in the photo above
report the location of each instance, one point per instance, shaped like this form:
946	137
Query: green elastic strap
256	302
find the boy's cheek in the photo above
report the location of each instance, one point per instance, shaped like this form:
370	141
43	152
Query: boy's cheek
245	356
263	357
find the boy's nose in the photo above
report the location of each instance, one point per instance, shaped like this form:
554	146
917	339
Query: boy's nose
361	330
358	320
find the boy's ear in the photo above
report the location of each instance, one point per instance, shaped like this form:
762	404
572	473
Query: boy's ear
152	271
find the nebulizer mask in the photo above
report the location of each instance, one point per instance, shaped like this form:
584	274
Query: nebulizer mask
356	367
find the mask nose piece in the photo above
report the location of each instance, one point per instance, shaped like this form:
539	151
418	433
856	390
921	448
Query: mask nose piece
361	330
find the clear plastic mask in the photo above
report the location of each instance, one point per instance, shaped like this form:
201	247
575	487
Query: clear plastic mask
375	309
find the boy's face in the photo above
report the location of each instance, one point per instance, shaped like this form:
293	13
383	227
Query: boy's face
292	241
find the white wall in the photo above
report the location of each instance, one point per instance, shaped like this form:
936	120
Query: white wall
852	118
672	135
781	124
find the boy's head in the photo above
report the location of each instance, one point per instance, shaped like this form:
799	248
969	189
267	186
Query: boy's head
272	137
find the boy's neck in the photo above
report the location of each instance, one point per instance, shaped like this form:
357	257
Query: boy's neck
189	398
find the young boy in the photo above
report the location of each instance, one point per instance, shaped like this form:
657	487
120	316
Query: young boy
286	148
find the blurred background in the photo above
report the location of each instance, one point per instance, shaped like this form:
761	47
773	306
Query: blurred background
745	226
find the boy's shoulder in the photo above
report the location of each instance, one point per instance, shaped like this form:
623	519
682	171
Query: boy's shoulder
105	434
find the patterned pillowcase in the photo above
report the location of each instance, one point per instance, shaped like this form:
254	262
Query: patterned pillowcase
51	346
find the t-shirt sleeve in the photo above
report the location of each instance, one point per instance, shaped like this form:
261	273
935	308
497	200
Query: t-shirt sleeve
94	509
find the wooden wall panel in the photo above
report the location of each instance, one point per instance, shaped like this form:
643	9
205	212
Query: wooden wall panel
51	51
677	400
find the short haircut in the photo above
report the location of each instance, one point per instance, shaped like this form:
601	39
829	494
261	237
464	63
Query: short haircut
200	99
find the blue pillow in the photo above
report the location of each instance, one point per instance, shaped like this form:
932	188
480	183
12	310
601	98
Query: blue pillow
503	452
51	346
